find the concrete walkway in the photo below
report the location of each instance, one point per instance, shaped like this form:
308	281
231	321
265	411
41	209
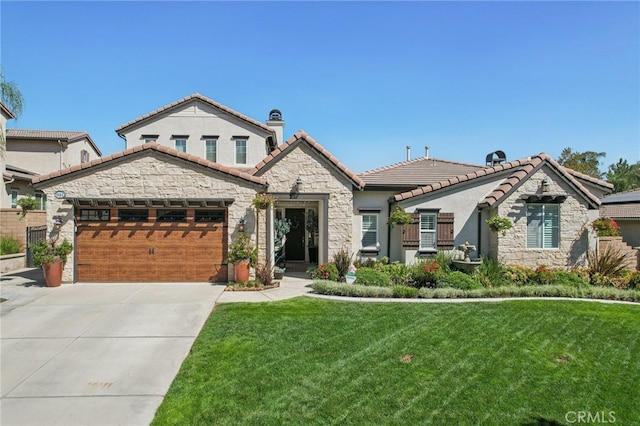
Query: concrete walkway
101	354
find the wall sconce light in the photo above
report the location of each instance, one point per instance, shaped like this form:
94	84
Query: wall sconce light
57	222
545	185
299	184
241	225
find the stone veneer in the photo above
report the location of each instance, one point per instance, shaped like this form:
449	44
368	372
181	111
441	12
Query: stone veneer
318	177
148	175
574	227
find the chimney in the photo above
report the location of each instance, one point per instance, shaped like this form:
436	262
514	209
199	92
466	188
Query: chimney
408	152
276	122
426	151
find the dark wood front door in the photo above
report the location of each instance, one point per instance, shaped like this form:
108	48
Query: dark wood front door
294	246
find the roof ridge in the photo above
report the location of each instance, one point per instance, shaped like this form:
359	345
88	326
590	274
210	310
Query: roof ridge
187	99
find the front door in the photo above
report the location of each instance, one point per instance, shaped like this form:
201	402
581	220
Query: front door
294	246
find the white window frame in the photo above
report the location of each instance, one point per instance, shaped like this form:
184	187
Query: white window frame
546	234
211	142
373	219
428	232
241	143
181	141
150	138
14	198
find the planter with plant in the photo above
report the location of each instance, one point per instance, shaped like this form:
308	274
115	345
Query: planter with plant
606	227
399	217
264	201
500	224
52	257
243	255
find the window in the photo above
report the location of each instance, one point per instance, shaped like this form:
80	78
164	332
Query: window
370	231
133	215
171	216
91	215
41	199
211	150
428	240
150	138
215	216
14	198
543	226
84	156
241	151
181	145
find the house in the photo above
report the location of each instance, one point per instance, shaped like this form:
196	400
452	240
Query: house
624	208
35	152
167	207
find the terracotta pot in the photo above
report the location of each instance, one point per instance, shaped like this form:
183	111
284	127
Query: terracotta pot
241	271
53	273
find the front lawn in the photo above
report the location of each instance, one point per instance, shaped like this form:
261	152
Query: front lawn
309	361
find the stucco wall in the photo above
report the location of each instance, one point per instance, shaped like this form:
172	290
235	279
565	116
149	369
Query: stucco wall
630	230
318	177
196	120
150	175
363	200
575	221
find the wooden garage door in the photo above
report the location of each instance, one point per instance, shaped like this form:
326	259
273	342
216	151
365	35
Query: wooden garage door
151	245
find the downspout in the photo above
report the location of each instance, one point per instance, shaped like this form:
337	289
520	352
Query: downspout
60	143
479	252
388	230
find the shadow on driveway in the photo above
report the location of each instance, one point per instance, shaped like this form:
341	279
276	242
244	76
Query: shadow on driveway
27	277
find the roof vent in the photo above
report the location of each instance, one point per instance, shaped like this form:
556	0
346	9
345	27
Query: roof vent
495	158
275	115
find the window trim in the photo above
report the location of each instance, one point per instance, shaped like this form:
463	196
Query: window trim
434	232
375	247
150	138
175	144
541	226
42	201
214	142
241	141
84	156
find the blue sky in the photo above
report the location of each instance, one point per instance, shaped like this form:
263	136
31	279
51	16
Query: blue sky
365	79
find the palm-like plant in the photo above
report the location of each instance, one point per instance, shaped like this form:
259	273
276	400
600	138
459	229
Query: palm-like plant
11	96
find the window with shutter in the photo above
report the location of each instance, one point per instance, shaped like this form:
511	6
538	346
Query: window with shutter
543	226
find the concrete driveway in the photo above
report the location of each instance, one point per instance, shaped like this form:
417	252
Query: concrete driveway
94	354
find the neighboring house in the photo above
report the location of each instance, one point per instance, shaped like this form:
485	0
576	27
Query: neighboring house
5	115
624	208
156	213
35	152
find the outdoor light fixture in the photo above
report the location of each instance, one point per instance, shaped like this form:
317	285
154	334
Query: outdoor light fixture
545	185
241	225
299	184
57	222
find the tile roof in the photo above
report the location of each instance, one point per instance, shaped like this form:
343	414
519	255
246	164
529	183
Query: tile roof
417	172
6	111
590	179
299	136
152	147
52	135
520	170
620	211
186	99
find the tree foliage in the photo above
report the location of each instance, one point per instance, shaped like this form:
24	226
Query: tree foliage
587	162
624	176
11	96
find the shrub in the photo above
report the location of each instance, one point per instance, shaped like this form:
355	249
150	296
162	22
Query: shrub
404	292
606	227
264	274
342	259
519	275
499	224
326	271
570	279
372	277
491	273
9	245
543	275
399	217
609	263
459	280
398	272
426	274
350	290
634	281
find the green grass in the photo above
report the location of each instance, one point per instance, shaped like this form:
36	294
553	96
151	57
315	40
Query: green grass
309	361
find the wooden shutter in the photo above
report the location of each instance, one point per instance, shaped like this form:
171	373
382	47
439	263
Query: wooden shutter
444	231
411	233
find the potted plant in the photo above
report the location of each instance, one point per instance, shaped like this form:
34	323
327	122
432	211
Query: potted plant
499	224
311	225
52	257
263	201
399	217
243	255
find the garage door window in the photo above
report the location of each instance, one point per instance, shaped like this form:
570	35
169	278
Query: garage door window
133	215
101	215
215	216
172	216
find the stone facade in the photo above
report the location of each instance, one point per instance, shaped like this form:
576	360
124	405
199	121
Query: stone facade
575	219
148	175
318	178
